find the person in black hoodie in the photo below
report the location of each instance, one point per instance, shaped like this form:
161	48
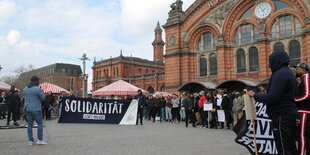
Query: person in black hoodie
280	102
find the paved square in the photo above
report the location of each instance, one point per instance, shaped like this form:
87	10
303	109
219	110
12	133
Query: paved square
152	138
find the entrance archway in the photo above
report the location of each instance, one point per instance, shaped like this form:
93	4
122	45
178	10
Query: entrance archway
237	85
193	87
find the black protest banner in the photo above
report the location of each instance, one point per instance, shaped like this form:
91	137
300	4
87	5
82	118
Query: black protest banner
86	110
264	136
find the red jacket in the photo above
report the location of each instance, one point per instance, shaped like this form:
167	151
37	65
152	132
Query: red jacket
202	100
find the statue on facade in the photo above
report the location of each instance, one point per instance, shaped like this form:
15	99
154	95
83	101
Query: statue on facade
261	27
176	6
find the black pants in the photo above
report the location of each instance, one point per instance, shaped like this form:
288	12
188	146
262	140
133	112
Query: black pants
175	114
304	134
204	117
213	122
189	114
155	111
2	111
228	119
284	131
139	115
47	114
11	111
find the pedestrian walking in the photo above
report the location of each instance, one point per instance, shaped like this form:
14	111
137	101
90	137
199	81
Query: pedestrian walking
11	102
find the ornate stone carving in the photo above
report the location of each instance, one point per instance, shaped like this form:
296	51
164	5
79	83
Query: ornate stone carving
220	14
261	27
171	40
221	37
307	19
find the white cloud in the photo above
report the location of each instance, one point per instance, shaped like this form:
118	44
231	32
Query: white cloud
42	33
13	37
7	10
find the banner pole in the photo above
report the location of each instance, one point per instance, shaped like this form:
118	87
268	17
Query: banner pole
254	130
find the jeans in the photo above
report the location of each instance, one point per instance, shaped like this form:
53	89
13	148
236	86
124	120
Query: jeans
182	113
168	113
34	116
145	112
162	113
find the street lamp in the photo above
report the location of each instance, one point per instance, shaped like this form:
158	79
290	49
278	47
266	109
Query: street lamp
84	76
1	68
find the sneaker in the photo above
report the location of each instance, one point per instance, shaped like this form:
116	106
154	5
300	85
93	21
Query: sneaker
40	142
30	143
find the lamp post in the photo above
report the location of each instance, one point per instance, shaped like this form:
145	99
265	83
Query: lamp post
0	69
84	75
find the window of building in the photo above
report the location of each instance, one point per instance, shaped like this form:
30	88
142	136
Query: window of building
69	71
70	83
213	64
241	64
139	71
280	5
203	65
63	70
116	71
146	71
75	72
206	42
246	34
279	46
285	26
253	58
294	52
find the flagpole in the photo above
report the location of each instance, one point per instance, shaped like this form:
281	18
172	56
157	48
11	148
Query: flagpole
254	131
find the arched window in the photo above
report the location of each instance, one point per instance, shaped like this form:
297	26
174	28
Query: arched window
213	64
253	58
241	65
285	26
246	34
206	42
203	65
150	89
294	52
278	46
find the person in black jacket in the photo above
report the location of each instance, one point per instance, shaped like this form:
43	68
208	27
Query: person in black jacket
2	106
141	103
12	101
48	104
280	102
302	100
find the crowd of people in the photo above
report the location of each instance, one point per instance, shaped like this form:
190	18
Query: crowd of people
11	106
190	107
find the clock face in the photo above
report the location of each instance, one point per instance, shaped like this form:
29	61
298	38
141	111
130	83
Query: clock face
262	10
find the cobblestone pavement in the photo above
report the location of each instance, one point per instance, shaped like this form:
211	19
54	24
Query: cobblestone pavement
150	139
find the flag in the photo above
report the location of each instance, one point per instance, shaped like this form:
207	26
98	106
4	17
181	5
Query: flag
264	137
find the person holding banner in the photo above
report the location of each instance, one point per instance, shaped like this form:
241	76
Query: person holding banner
280	102
141	103
33	97
302	100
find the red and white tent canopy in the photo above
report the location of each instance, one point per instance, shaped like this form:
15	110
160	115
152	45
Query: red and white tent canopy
119	87
46	87
165	94
4	86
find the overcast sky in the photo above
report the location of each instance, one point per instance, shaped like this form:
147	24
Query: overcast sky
59	31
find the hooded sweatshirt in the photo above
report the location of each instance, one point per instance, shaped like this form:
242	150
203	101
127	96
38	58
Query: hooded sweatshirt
33	96
281	87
